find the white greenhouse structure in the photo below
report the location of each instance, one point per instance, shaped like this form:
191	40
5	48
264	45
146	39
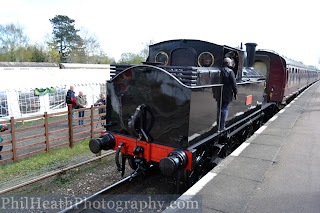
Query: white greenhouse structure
19	81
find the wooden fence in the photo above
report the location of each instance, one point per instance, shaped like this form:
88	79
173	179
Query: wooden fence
52	135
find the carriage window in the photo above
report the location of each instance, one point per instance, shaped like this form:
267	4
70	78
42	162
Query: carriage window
162	57
290	76
262	67
205	59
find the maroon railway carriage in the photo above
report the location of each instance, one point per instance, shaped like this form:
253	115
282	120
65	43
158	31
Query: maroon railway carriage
286	77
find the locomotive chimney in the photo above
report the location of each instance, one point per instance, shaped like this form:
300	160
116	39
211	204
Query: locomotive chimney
251	52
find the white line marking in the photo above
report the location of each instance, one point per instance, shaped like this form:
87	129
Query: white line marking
282	111
272	119
240	149
197	186
261	129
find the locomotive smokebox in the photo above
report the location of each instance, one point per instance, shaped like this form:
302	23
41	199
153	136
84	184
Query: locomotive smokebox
176	159
105	142
251	52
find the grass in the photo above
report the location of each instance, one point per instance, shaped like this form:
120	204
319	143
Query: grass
65	178
43	160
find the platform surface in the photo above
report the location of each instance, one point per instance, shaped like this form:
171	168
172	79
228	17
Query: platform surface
275	170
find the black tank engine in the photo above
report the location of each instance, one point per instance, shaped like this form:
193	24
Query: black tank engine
165	112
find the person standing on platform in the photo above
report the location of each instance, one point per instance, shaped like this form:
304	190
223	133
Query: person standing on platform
81	103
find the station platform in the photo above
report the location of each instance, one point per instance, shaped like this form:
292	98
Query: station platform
275	170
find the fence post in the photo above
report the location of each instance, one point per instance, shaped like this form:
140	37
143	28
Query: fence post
70	121
13	137
92	132
46	131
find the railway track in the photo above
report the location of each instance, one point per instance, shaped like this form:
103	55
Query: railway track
87	202
131	194
53	173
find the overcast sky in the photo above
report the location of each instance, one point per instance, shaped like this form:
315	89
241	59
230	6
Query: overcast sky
289	27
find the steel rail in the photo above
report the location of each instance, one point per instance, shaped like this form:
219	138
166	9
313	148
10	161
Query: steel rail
53	173
75	206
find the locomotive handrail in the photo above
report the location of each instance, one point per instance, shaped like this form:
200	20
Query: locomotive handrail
181	81
185	74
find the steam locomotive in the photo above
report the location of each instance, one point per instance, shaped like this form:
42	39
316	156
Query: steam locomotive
166	111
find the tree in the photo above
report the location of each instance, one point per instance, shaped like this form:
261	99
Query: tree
52	53
15	47
38	53
67	38
136	58
145	52
131	58
91	43
102	58
12	39
93	52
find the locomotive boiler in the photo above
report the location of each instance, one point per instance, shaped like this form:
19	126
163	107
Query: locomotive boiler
165	111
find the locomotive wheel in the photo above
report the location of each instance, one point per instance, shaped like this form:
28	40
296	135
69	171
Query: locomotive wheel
246	133
204	165
188	178
132	164
257	124
250	131
227	147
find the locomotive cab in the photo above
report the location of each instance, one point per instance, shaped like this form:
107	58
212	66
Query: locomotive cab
233	54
